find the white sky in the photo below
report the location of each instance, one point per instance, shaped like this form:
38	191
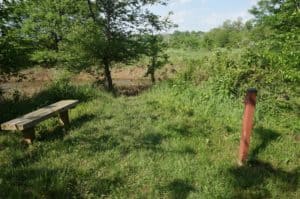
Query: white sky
205	14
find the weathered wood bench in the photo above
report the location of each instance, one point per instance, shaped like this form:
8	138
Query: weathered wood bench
26	123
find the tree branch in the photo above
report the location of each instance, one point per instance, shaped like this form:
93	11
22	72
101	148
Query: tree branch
92	14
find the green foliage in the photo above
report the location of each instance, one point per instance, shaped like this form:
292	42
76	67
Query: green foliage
155	50
48	23
32	31
232	72
185	40
279	47
232	34
14	52
14	47
61	88
81	47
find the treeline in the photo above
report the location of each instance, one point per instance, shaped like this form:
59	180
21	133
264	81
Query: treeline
185	40
232	34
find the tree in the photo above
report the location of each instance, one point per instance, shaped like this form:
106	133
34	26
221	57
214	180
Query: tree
14	47
281	15
278	22
47	24
119	24
155	50
33	31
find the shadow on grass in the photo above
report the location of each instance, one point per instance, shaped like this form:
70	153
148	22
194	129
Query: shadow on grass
103	187
153	141
26	158
189	129
38	183
55	133
150	141
52	183
182	130
58	132
94	144
188	150
180	189
249	180
266	136
8	139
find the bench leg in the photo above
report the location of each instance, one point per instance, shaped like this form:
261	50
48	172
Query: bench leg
64	118
28	135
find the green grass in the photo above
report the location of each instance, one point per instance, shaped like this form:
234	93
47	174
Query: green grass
177	140
177	57
181	56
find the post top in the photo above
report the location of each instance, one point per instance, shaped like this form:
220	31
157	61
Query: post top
252	90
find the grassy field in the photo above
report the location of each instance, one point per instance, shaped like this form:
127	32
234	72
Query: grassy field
177	140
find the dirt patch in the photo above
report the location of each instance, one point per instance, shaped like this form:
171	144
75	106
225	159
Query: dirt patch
128	81
128	73
131	87
30	75
133	90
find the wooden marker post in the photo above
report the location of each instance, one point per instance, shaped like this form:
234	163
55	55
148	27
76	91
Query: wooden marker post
250	102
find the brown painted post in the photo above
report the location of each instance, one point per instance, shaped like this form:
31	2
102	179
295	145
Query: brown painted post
64	118
250	102
28	135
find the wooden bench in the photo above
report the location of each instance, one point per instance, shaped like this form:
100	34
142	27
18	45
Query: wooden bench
26	123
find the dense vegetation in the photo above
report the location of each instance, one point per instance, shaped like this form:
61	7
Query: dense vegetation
177	140
76	34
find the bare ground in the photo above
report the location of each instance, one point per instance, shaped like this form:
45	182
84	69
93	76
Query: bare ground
127	80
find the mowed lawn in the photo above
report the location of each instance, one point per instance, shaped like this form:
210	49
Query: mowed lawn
173	141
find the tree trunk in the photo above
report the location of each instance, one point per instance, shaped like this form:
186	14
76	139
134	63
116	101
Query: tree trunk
152	67
108	77
56	39
153	77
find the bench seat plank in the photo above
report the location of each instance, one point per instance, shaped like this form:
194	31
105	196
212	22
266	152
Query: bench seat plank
31	119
